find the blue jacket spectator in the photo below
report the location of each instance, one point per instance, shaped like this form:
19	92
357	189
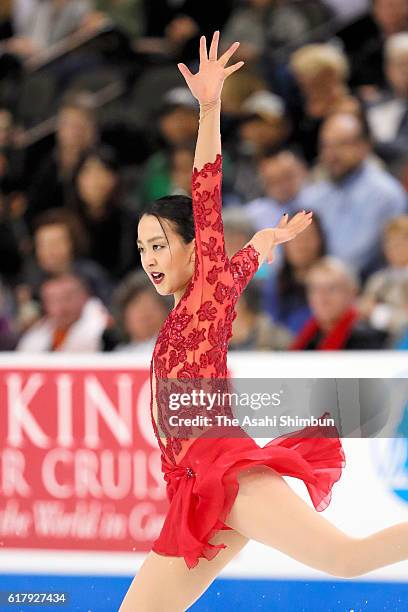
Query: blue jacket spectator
358	197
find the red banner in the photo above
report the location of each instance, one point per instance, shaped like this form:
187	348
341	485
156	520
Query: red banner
79	464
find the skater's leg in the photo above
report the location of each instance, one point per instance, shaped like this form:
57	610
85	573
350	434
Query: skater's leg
268	510
166	583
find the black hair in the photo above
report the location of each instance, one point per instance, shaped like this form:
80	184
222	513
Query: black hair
82	101
276	150
72	223
105	154
178	209
286	281
109	158
252	296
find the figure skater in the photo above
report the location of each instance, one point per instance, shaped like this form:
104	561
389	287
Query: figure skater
225	491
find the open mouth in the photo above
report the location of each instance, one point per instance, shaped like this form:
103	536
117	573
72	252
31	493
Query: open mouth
157	277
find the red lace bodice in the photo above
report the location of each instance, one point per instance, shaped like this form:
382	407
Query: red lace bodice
193	341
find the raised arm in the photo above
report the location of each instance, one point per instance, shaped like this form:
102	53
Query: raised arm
206	86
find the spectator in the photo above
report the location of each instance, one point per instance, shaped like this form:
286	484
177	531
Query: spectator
263	126
76	132
110	226
9	156
331	289
284	296
252	329
384	302
60	244
364	41
321	71
357	198
28	310
237	88
11	258
262	25
141	313
6	11
181	164
38	24
73	321
178	124
8	338
282	174
179	24
238	230
346	10
388	117
126	14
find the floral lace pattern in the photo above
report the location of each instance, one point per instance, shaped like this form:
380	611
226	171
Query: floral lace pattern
193	341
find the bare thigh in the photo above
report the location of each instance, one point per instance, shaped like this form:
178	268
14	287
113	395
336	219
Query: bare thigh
166	583
268	510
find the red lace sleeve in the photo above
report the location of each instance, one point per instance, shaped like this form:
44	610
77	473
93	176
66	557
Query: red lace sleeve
213	267
211	259
244	264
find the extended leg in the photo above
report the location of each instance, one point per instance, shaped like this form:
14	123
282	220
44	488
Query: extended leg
268	510
166	583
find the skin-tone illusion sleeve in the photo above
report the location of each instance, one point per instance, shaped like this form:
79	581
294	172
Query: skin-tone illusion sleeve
206	86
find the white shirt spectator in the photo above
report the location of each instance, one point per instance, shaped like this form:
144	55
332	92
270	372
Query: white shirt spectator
83	336
44	23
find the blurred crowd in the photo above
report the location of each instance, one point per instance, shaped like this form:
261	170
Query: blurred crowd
96	121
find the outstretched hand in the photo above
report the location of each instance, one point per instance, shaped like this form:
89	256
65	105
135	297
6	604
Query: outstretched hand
206	84
287	230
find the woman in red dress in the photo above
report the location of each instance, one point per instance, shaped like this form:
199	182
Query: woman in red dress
224	491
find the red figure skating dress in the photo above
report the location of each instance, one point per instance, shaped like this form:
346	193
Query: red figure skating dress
201	473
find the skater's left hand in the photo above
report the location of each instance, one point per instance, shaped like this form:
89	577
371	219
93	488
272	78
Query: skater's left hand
287	230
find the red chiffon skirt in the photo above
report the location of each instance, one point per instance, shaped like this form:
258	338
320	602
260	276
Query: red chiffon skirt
203	486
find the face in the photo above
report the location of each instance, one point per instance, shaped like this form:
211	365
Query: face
282	177
6	125
182	163
317	86
342	147
263	134
392	15
234	240
303	250
53	248
144	316
63	301
173	260
329	294
179	126
74	129
96	183
396	248
397	73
